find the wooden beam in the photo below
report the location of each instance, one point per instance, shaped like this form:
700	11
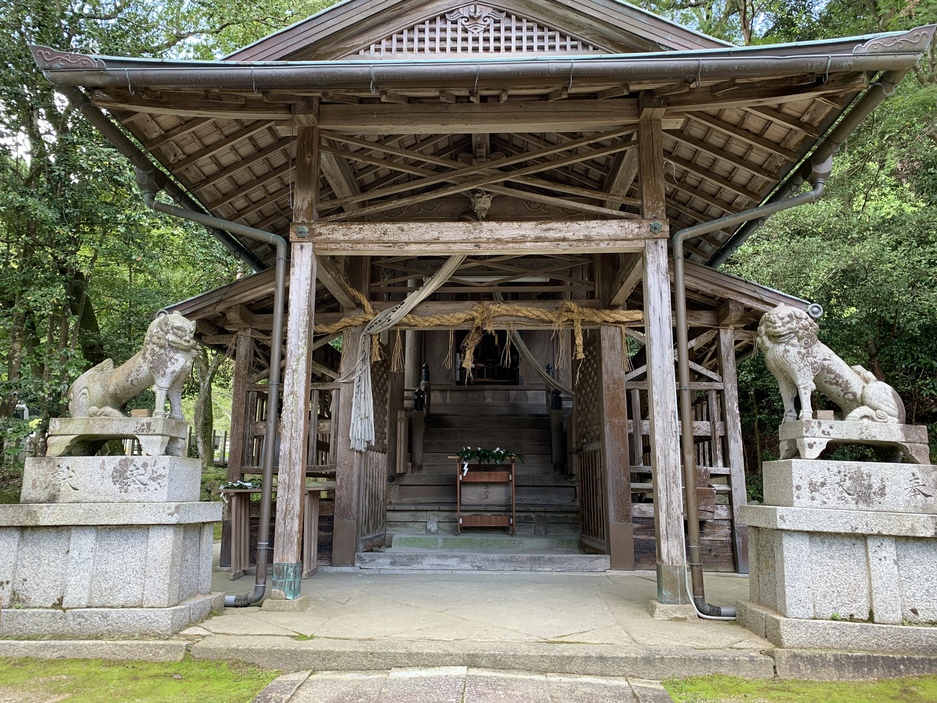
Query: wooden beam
743	134
627	279
468	118
182	105
651	163
245	163
494	170
707	174
340	177
533	237
332	278
221	144
730	313
175	132
255	183
722	154
621	175
785	119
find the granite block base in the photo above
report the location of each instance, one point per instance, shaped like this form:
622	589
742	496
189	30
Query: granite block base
109	622
105	569
800	634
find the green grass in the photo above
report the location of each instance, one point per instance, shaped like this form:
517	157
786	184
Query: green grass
96	681
729	689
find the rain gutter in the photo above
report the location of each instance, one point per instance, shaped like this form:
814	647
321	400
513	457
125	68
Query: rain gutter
146	178
79	101
64	69
817	175
829	146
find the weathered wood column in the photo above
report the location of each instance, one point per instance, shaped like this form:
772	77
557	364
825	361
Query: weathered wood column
662	399
243	363
348	460
613	418
294	418
734	452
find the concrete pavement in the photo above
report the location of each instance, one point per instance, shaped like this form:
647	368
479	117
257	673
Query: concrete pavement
457	685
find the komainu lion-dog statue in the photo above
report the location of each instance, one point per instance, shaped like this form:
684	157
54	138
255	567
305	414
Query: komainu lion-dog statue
165	361
801	363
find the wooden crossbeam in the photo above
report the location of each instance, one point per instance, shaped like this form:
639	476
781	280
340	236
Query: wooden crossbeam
176	132
722	154
708	175
486	181
331	276
492	167
535	237
223	143
252	185
743	134
469	118
246	163
627	278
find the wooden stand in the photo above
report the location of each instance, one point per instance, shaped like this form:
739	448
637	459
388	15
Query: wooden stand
498	516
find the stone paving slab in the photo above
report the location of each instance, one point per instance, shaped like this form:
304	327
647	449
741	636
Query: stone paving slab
457	685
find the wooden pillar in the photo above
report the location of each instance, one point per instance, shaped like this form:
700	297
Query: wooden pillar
294	418
613	417
662	382
735	457
395	389
243	363
347	460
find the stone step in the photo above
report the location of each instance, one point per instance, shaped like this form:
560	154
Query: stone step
480	542
432	560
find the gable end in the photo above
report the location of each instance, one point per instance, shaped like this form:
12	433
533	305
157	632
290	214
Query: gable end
475	29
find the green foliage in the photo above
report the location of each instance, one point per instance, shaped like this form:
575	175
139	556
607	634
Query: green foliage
83	265
488	456
723	689
95	681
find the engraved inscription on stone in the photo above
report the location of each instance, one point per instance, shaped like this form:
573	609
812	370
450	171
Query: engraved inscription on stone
62	477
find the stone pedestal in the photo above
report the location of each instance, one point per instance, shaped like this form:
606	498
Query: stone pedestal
107	546
844	556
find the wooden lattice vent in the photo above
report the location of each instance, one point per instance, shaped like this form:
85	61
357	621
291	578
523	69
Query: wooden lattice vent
380	371
587	389
475	28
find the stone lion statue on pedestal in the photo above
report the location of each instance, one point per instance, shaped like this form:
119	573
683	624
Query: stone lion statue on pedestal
801	363
165	361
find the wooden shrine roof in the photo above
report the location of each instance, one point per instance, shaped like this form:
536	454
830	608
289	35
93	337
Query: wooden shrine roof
535	103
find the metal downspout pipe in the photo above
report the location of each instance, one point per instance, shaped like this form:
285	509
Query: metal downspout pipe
877	92
147	181
817	177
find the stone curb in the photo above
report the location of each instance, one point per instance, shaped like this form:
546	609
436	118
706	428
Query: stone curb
291	655
842	666
142	650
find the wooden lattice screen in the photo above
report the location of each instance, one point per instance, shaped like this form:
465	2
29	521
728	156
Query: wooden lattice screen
588	462
476	29
375	461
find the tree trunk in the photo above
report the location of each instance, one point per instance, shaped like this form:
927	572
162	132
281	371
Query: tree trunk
206	366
